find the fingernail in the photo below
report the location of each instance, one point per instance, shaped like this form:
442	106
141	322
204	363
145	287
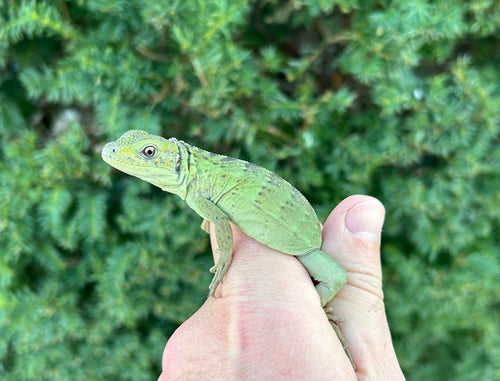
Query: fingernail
366	218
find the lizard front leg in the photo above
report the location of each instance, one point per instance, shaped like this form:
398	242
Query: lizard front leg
223	235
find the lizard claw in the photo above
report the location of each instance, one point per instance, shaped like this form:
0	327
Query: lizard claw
334	320
220	270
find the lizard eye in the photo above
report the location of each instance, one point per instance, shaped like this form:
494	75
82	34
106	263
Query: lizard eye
149	151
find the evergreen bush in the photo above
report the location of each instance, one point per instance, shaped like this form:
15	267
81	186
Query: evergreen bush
396	99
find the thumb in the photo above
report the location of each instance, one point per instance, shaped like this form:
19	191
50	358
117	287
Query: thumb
351	235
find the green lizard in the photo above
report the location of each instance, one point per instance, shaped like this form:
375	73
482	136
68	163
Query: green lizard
223	189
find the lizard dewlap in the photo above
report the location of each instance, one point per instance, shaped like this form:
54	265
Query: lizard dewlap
223	189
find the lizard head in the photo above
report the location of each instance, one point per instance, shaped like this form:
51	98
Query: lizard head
149	157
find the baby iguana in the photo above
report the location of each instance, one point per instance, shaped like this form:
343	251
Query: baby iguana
223	189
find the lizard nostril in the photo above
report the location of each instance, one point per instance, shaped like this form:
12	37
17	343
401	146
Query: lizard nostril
110	148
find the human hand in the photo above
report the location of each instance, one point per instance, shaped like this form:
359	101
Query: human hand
267	322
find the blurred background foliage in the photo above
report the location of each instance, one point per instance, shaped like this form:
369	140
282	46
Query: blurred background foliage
395	99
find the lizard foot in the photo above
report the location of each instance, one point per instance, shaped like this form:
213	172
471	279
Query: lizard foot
220	269
334	320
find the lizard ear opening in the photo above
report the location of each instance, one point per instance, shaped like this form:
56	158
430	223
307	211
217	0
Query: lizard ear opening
178	163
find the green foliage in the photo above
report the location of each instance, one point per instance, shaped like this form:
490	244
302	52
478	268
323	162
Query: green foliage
396	99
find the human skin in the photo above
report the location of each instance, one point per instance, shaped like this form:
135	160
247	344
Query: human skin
266	321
